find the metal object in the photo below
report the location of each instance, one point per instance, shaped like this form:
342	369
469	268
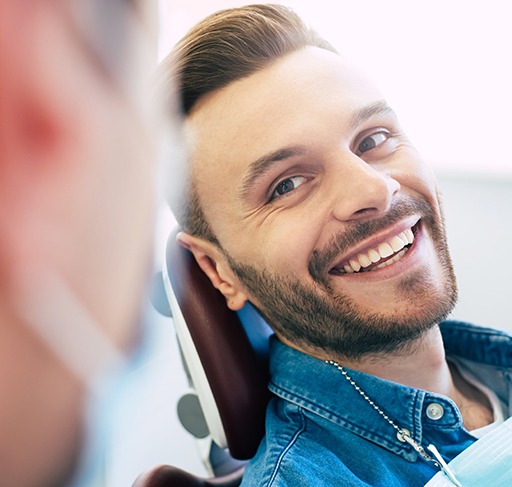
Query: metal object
403	434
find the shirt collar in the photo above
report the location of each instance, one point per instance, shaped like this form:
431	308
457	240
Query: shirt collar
320	388
476	343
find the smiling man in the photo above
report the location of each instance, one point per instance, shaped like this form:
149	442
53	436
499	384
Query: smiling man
305	197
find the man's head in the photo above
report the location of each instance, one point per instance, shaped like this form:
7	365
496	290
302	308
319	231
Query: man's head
303	177
76	217
225	47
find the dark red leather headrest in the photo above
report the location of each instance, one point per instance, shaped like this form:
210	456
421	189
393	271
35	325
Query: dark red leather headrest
237	377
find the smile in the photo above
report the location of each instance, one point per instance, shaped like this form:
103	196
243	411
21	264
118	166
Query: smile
384	254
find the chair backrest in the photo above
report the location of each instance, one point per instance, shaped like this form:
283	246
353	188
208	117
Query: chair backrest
225	356
167	476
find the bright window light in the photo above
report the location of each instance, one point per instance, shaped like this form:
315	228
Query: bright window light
444	66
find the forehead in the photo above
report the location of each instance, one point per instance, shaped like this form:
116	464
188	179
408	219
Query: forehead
307	94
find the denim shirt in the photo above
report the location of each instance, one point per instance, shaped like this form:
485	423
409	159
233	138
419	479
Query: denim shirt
321	432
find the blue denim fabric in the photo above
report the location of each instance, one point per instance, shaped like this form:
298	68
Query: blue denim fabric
321	432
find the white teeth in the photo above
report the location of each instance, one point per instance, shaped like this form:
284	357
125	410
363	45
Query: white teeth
392	261
364	260
355	265
403	238
385	250
374	255
396	243
409	235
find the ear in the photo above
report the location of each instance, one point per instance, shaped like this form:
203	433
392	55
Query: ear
214	264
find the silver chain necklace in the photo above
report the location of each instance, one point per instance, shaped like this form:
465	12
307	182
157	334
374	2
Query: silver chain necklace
403	434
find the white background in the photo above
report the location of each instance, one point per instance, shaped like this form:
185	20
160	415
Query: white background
444	66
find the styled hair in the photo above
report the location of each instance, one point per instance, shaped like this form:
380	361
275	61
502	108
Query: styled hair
225	47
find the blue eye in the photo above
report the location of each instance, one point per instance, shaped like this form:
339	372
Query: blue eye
372	141
287	185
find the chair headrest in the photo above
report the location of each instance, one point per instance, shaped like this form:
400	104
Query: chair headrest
228	373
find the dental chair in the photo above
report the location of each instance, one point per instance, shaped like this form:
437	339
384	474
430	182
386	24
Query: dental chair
225	355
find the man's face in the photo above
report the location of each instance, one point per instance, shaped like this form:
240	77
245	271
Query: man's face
325	212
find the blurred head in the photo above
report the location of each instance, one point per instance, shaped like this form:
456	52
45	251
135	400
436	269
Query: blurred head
303	193
76	217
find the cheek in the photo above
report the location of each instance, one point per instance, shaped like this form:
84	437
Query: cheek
416	176
287	246
281	246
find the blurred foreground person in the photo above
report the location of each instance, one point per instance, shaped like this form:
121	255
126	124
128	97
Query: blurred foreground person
76	221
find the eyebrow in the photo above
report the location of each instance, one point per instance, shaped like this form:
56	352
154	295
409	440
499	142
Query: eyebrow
366	113
261	166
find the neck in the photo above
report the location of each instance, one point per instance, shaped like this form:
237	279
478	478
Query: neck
423	365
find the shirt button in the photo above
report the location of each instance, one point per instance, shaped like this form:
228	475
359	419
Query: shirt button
435	411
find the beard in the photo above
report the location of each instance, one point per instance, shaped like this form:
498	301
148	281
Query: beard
316	317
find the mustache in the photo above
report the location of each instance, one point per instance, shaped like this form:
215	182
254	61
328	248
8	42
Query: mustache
320	260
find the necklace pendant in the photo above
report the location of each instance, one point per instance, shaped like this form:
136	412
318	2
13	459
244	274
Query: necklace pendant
443	465
406	437
438	460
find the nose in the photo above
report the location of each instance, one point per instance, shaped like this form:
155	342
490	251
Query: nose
362	190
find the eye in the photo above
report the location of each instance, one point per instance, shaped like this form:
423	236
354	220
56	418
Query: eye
287	185
372	141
